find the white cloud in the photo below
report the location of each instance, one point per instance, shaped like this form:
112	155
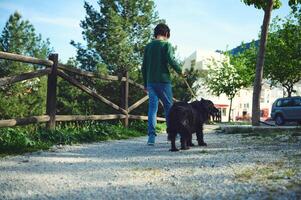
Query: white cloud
35	16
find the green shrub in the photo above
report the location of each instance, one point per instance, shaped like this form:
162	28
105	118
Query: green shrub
34	137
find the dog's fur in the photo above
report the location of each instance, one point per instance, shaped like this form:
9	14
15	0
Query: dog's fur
186	119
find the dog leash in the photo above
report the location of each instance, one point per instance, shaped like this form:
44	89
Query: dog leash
189	88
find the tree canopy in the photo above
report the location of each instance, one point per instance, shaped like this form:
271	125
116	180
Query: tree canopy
19	36
24	98
283	59
267	6
117	32
226	78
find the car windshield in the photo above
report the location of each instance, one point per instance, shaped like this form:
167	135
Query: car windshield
279	103
287	102
297	102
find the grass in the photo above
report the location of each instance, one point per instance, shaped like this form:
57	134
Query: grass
236	123
32	138
246	127
161	127
263	173
289	136
282	172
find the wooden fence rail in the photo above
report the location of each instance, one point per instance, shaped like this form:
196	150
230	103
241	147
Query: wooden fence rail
53	70
76	83
24	76
25	59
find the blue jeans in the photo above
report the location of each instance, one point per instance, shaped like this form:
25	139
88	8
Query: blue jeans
158	91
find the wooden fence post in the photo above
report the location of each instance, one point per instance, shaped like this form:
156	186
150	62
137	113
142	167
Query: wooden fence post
126	99
51	92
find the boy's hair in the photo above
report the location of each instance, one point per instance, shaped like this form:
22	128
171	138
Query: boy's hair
162	29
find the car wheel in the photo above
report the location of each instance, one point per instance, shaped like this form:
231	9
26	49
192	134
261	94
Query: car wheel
279	120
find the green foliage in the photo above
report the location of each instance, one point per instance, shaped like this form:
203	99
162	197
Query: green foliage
12	138
245	63
27	139
115	35
19	36
294	4
161	127
228	78
267	6
224	78
117	32
259	4
16	140
283	58
140	126
27	97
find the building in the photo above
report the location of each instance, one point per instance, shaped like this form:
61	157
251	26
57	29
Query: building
242	102
201	59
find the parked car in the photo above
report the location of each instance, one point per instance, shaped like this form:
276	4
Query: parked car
286	109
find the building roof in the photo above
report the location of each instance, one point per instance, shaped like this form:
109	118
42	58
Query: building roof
201	59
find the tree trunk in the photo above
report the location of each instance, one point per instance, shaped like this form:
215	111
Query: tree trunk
260	64
289	90
229	117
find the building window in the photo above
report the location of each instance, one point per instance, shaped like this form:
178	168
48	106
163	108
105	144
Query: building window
246	105
224	111
261	100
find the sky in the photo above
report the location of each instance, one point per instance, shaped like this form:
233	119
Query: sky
195	24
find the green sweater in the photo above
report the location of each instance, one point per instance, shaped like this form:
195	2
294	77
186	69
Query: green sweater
158	54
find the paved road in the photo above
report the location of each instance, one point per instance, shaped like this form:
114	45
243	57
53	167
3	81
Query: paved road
231	167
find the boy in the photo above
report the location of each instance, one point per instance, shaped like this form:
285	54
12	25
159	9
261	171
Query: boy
158	54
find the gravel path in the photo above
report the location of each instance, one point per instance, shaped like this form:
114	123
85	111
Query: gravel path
231	167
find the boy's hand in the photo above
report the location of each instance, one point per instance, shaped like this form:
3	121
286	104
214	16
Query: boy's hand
184	75
145	90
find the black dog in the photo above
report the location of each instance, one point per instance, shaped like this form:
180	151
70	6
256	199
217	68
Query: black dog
186	119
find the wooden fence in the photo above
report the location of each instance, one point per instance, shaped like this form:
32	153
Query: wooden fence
53	70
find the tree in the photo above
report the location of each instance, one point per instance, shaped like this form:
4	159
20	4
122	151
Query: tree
228	79
267	6
18	36
283	53
28	97
244	62
118	32
72	100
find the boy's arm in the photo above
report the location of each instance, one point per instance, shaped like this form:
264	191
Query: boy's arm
144	70
171	59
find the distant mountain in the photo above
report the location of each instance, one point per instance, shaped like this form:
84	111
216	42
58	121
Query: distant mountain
241	48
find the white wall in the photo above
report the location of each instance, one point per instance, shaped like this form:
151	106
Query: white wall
201	59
